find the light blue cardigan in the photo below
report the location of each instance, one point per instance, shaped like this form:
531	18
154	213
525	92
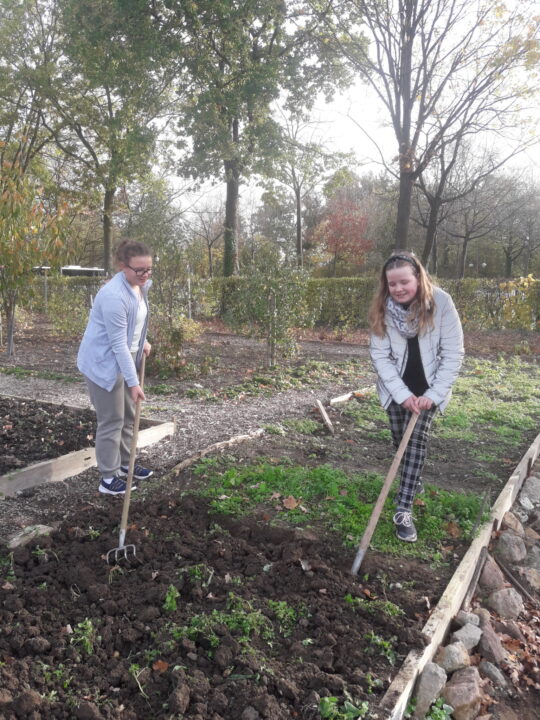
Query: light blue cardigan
441	350
104	350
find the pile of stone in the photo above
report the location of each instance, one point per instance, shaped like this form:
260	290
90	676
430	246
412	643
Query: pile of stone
476	668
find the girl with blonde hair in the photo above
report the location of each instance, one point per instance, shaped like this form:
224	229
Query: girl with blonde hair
416	347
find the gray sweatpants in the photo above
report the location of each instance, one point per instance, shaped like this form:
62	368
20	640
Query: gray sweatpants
115	412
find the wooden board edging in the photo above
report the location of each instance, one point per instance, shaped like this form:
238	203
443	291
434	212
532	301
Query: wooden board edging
71	464
177	469
397	696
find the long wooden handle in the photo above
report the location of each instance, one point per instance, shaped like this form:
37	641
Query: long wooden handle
366	537
132	456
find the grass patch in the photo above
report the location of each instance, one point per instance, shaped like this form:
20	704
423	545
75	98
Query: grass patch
300	495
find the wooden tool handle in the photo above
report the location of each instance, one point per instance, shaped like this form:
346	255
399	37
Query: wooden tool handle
366	537
132	456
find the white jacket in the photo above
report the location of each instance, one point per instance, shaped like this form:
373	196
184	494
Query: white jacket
441	351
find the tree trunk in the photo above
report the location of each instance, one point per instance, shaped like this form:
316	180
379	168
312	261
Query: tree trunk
230	258
10	317
434	256
463	257
431	232
508	263
299	245
108	201
210	262
403	210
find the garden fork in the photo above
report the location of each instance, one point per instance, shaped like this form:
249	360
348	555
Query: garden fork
124	551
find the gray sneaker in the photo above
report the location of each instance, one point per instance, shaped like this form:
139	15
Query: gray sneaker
405	529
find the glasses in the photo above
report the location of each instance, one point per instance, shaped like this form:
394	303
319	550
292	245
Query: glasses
139	272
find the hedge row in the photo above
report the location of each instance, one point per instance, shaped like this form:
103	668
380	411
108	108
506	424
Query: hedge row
333	302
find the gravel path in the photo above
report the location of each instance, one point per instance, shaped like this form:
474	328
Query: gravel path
199	424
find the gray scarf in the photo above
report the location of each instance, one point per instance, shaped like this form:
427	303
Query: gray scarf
401	317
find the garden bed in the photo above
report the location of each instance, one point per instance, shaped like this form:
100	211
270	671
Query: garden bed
239	602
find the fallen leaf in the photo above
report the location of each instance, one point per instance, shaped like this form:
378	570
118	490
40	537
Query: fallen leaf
453	529
160	665
290	503
275	496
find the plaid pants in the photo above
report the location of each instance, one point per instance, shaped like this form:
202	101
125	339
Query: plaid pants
415	453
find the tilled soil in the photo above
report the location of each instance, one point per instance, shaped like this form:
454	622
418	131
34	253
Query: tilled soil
85	639
82	638
32	431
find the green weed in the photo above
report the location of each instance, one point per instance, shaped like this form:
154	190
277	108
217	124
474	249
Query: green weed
239	617
85	635
330	708
304	426
383	647
172	594
375	607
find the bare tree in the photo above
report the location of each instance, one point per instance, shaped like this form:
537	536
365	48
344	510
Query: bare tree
207	225
442	68
491	210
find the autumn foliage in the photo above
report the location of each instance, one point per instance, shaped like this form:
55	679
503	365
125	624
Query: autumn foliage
342	232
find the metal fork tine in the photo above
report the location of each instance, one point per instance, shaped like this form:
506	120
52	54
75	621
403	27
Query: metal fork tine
121	553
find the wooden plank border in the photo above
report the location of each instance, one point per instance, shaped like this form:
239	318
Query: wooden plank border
73	463
397	696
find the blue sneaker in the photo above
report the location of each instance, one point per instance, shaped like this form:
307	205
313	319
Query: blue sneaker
116	486
139	472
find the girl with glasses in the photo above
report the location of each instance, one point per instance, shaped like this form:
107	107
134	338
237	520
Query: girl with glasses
109	356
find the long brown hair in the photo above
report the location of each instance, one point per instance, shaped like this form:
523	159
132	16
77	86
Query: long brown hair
422	306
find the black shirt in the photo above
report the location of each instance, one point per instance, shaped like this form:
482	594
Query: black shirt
414	376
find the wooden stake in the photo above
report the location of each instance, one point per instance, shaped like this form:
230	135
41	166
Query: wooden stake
325	417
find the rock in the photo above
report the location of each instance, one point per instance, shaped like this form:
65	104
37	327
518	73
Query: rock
506	602
492	672
530	577
531	489
492	577
533	558
29	533
531	537
453	657
490	646
510	628
510	548
525	503
469	635
463	618
429	687
464	693
511	522
484	617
